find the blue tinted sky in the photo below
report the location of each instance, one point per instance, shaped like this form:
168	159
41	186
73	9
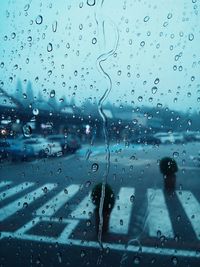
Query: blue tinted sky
55	44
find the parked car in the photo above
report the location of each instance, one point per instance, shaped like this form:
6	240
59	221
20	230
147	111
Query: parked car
25	148
146	140
178	138
170	138
69	143
39	147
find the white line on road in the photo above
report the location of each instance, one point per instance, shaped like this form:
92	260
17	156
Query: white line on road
4	183
158	218
53	205
14	190
22	202
84	209
121	213
92	244
192	209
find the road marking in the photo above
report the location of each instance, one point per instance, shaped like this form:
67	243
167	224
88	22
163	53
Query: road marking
158	218
69	228
84	210
121	213
14	190
4	183
94	244
192	209
53	205
22	202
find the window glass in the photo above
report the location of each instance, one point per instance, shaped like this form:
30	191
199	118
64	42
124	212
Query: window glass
99	133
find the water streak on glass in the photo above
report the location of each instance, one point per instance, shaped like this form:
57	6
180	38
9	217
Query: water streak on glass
102	58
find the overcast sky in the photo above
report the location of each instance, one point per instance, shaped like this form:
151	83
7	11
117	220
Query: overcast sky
145	45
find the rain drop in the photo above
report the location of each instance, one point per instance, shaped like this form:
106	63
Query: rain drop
35	111
174	260
26	7
154	90
175	154
49	47
27	131
95	167
132	198
52	93
94	40
25	205
91	2
39	19
157	80
142	43
146	18
191	37
54	26
136	260
87	184
45	189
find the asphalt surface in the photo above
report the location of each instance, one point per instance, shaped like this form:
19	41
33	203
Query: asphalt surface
47	218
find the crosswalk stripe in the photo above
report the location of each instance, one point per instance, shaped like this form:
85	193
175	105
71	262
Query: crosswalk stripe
84	209
22	202
158	218
53	205
4	183
14	190
121	213
192	209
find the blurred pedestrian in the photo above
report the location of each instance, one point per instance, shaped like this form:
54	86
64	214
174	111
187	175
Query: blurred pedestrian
108	203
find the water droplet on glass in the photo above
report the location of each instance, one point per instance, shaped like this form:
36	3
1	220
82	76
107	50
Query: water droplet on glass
154	89
157	80
146	18
191	37
35	111
140	98
94	40
45	189
39	19
27	131
52	93
95	167
174	260
54	26
25	205
121	222
169	16
82	253
88	223
91	2
87	184
132	198
66	191
13	35
142	43
49	47
29	38
24	96
26	7
175	154
136	260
